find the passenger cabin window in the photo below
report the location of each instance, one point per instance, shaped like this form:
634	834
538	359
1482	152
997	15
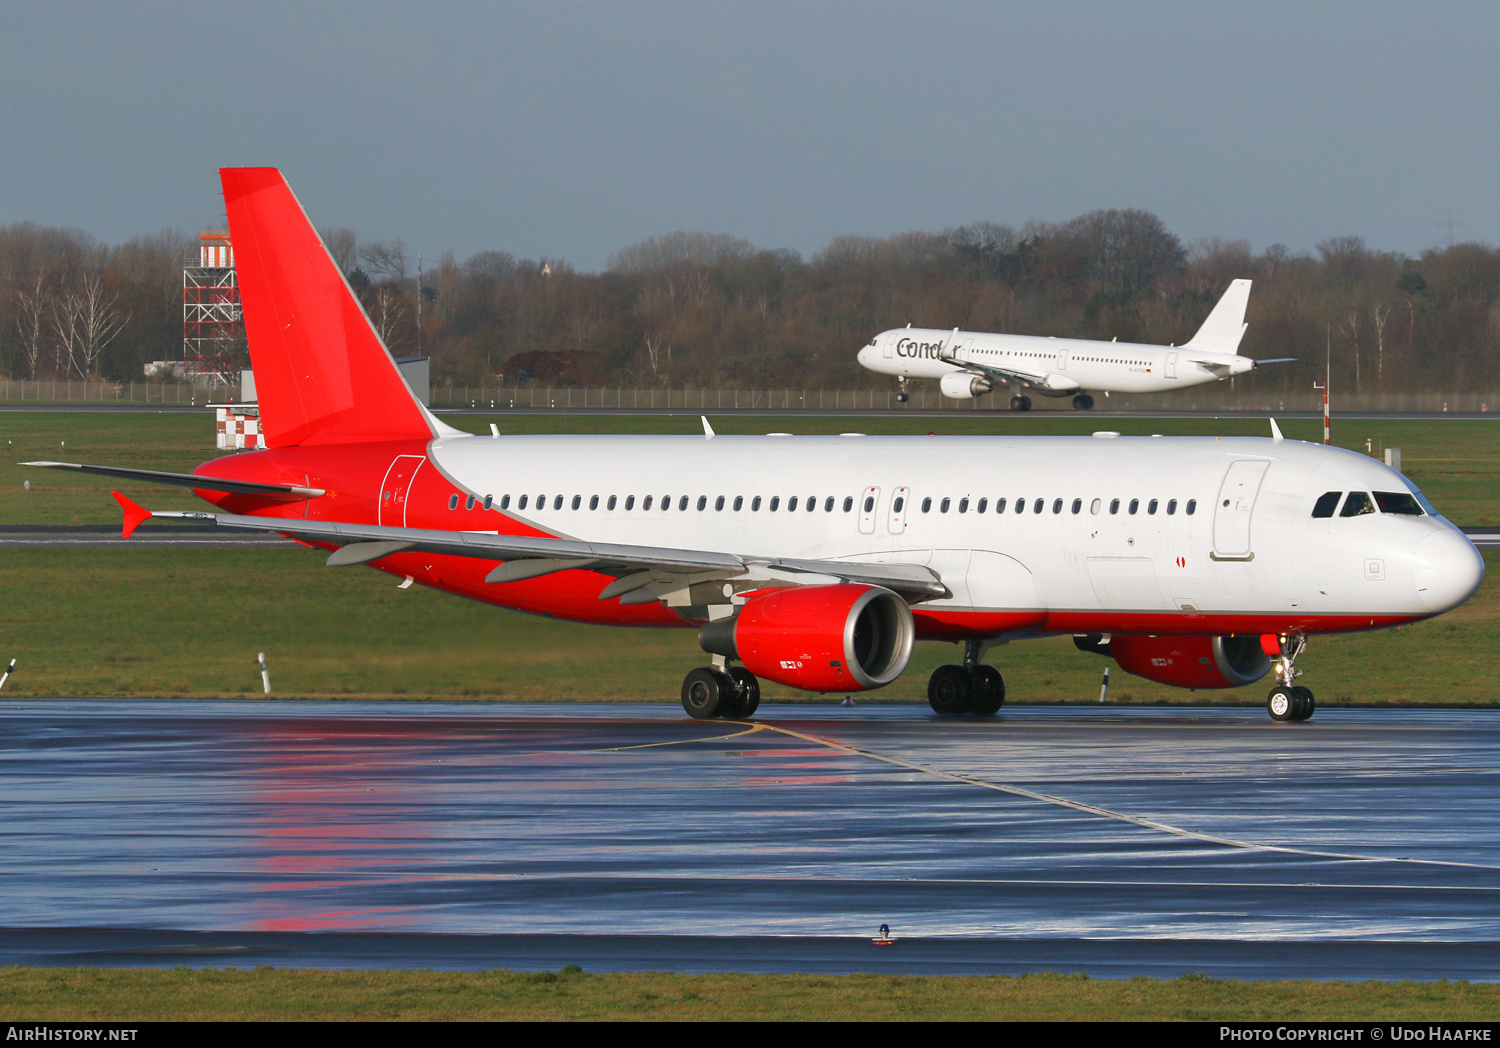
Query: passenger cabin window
1151	507
1357	505
983	503
1171	507
453	502
594	502
870	504
646	504
943	506
630	502
702	503
999	505
522	503
849	504
755	504
1077	505
1398	502
739	503
682	503
828	505
469	502
719	504
899	505
577	501
611	504
505	501
1114	506
791	504
1096	506
489	500
1037	506
1327	503
1020	505
775	502
1135	504
557	502
927	505
1057	506
963	505
1192	507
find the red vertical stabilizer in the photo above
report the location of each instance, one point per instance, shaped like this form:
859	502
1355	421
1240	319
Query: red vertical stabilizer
322	375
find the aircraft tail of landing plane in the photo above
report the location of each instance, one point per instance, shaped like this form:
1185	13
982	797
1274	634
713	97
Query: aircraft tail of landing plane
322	375
1225	326
969	364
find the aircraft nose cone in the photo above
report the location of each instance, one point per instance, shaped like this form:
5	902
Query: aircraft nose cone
1449	569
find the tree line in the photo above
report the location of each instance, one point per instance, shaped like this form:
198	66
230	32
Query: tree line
691	309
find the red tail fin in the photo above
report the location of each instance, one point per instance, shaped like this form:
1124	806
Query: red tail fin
322	375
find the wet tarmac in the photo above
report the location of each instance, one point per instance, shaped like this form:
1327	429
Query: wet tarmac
1116	841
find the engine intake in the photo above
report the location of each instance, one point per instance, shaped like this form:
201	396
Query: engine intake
842	637
1187	662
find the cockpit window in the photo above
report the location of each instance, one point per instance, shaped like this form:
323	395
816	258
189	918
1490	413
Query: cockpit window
1397	502
1327	503
1357	504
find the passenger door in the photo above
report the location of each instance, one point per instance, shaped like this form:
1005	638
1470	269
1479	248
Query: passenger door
1171	365
1233	508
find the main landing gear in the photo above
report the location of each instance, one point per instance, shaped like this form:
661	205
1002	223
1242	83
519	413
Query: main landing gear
1020	403
970	688
1083	402
717	691
1289	701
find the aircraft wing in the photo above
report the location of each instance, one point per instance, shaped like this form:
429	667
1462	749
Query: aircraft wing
1002	375
187	480
642	573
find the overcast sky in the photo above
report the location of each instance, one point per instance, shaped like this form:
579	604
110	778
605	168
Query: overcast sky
572	130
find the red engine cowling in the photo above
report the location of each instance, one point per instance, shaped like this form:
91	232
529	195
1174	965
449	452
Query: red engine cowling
1192	662
844	637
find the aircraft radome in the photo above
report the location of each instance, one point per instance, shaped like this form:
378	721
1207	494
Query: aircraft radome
816	562
969	364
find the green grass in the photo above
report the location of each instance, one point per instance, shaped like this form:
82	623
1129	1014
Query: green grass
132	995
154	622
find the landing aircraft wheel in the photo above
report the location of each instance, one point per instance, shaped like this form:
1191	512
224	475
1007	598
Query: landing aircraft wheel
989	692
1018	403
1282	703
749	688
706	692
1306	705
949	690
902	398
1083	402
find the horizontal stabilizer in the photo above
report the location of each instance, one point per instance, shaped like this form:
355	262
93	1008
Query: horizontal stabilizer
187	480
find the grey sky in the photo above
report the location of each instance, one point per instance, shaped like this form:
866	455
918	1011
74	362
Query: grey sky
573	130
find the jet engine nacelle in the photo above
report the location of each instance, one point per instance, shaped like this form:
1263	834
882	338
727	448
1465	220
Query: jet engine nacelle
1192	662
960	385
841	637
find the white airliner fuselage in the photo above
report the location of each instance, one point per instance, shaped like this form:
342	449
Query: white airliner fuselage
969	364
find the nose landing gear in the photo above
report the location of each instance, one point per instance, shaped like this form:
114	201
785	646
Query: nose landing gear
970	688
1289	701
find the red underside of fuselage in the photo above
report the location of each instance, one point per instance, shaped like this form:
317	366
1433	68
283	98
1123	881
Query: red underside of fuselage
353	474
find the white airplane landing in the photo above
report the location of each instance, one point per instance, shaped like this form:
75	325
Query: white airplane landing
970	364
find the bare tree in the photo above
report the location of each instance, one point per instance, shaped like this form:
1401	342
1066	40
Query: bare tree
1350	328
342	244
1380	314
385	258
32	307
85	322
389	311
